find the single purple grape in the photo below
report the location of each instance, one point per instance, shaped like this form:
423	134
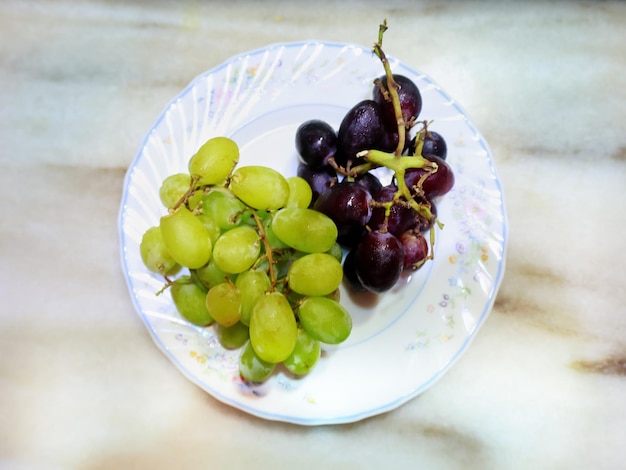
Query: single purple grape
316	142
401	217
437	184
434	144
410	100
361	129
415	249
347	204
370	182
379	261
319	179
349	273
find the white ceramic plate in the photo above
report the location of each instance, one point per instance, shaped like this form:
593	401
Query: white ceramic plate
401	344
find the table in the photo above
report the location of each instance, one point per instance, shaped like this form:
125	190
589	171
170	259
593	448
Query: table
82	385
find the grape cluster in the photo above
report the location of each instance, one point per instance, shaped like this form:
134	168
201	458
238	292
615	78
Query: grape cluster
240	249
382	227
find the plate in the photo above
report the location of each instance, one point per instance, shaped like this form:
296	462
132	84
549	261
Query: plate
408	338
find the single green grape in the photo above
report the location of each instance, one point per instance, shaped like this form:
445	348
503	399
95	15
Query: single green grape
315	274
237	249
300	192
223	302
325	319
210	274
336	251
211	226
260	187
305	229
154	253
252	285
186	238
232	337
305	355
273	328
251	367
189	299
221	206
214	160
173	188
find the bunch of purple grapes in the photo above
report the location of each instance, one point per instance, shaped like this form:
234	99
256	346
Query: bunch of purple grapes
381	227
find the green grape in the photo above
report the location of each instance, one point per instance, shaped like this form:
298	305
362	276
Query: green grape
210	274
305	229
232	337
173	188
223	208
154	252
189	299
223	302
211	226
300	193
325	319
305	354
186	238
237	250
214	160
260	187
315	274
336	252
252	285
275	242
273	328
251	367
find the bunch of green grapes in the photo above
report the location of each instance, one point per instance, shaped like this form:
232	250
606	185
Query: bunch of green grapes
252	260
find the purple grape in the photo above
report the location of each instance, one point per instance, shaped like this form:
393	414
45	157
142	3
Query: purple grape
361	129
437	184
320	179
316	142
434	144
347	204
410	100
370	182
401	217
415	249
349	273
423	224
379	261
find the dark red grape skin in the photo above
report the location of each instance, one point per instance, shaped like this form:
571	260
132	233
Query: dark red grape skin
434	144
422	223
349	273
370	182
379	261
437	184
316	142
415	249
401	217
361	129
347	204
410	100
319	179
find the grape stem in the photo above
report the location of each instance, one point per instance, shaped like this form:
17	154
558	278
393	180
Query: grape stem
393	87
268	249
350	172
185	197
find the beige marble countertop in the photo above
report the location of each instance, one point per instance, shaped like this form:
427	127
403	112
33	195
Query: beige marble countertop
83	386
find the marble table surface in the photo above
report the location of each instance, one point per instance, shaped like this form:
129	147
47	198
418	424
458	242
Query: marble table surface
82	385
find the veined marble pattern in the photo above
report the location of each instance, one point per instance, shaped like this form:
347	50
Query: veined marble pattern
83	386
